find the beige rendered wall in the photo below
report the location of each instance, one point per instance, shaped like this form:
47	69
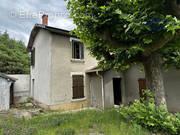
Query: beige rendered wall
62	69
95	91
40	89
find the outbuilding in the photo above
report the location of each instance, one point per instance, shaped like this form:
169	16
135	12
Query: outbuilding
110	88
6	91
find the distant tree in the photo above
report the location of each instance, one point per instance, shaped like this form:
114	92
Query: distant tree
14	59
120	33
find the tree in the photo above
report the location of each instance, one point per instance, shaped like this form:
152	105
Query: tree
14	58
120	33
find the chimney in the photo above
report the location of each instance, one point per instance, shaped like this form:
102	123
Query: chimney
45	19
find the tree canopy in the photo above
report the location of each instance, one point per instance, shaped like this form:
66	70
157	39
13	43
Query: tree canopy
14	58
120	33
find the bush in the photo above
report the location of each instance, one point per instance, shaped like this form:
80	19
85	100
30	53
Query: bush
155	119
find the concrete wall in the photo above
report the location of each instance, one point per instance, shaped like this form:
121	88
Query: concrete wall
96	91
172	88
108	87
131	83
62	69
40	73
21	87
171	84
96	88
4	94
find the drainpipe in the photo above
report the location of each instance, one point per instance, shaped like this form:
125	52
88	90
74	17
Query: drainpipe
102	85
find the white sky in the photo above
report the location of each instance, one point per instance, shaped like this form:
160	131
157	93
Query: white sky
19	16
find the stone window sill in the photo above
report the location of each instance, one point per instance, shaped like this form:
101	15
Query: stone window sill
77	60
78	100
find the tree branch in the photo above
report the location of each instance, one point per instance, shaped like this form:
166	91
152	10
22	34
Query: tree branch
154	46
108	39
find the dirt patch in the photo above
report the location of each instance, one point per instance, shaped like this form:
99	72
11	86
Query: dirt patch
24	110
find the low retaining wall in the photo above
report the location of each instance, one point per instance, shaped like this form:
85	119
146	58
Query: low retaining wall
21	87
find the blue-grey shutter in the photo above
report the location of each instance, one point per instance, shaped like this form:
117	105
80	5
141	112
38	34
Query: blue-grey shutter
82	51
72	42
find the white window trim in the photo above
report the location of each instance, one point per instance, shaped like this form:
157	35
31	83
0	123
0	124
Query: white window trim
77	60
80	99
77	73
75	39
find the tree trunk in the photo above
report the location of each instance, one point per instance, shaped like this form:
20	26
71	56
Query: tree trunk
153	67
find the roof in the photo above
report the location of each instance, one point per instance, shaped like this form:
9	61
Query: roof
38	27
12	79
96	69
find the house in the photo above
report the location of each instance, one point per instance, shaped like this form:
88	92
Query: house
6	91
64	76
58	64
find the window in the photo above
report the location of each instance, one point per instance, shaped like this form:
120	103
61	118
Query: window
33	57
77	50
78	86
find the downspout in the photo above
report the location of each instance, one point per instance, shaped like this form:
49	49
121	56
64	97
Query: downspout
102	85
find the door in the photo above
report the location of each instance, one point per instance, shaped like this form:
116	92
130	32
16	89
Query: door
12	94
142	86
117	91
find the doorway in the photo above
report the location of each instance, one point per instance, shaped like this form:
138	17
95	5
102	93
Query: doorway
32	88
117	91
12	94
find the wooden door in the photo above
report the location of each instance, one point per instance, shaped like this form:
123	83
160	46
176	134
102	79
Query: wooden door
142	86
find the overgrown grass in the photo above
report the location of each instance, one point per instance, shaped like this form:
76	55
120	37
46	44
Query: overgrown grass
79	123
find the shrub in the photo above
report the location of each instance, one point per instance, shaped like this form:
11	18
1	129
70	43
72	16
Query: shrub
155	119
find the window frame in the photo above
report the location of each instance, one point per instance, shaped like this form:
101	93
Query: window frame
81	48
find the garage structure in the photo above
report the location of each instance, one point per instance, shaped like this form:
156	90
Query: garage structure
6	91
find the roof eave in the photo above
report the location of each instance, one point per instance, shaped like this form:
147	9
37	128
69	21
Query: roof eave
36	29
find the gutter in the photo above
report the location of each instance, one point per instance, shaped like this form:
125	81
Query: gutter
102	85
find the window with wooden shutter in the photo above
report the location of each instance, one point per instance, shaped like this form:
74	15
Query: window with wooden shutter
78	86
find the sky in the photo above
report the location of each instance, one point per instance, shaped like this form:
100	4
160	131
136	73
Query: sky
18	17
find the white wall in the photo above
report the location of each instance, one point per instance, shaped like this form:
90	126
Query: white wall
41	72
172	88
4	94
21	87
108	87
131	83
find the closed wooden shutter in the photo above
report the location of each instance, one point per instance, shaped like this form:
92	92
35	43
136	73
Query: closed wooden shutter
142	86
78	86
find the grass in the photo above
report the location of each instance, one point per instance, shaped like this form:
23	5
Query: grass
79	123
